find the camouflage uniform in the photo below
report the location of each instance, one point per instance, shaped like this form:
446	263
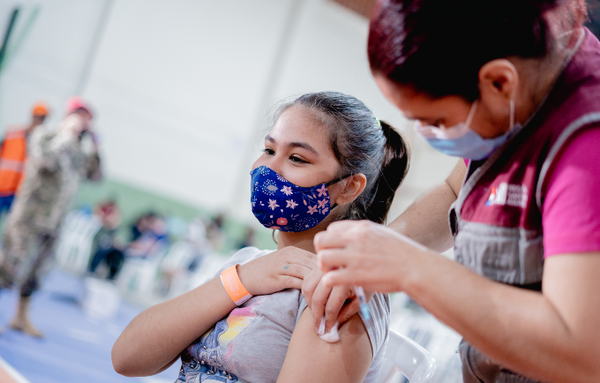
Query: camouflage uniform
57	161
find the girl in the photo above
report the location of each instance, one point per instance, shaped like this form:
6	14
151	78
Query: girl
326	158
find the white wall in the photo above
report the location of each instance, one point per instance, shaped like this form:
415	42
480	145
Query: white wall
181	87
47	65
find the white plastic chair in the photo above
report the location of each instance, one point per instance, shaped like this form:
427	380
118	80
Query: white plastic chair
74	246
404	355
209	266
137	276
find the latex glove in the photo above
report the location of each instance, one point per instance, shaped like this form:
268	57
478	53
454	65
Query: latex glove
335	304
370	255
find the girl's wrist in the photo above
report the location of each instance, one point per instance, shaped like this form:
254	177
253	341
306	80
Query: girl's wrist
233	285
244	277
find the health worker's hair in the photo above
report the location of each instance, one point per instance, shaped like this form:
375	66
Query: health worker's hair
438	46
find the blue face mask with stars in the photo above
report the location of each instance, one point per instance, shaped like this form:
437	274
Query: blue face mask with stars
279	204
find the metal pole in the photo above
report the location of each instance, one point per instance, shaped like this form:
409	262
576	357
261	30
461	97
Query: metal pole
11	25
269	92
94	45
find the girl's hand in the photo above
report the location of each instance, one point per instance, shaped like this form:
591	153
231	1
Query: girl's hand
338	304
368	255
276	271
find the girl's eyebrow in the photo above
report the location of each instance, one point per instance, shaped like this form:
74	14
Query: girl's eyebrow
303	145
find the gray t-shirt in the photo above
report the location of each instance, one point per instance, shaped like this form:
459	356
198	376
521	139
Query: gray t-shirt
250	344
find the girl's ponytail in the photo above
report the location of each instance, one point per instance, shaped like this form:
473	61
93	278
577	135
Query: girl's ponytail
362	145
393	170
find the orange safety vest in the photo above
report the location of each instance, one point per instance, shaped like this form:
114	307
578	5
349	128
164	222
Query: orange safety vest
13	154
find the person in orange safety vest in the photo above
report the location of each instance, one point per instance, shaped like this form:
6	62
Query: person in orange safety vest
13	154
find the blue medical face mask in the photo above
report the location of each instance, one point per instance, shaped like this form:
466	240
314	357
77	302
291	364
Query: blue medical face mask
461	141
279	204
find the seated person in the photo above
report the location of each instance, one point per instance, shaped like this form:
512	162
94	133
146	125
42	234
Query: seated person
152	239
108	247
326	158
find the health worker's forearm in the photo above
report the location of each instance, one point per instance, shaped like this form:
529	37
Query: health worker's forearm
426	219
551	337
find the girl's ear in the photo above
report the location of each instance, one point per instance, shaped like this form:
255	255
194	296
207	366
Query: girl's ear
352	187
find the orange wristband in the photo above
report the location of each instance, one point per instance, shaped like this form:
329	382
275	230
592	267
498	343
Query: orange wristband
233	285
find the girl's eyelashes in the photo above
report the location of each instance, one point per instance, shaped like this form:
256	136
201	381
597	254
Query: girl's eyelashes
293	158
298	160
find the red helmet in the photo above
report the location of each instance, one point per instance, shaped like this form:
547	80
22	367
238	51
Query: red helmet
75	102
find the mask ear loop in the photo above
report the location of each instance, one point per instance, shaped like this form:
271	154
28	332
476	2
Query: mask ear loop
512	115
471	113
336	181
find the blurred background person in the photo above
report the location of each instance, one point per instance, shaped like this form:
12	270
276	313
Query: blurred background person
57	162
249	238
149	237
13	154
215	232
108	247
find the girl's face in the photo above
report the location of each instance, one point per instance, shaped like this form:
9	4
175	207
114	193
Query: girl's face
299	149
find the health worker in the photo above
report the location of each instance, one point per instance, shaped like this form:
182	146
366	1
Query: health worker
512	87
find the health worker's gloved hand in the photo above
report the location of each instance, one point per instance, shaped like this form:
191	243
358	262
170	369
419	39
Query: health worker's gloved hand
335	304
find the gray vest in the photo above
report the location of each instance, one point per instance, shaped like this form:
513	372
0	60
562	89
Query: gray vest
497	219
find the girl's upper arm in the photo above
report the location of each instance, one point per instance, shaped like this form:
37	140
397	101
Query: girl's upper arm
311	359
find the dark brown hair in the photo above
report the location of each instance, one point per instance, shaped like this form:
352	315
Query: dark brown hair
438	46
361	144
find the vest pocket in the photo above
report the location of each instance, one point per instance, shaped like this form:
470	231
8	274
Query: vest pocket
508	255
476	367
479	368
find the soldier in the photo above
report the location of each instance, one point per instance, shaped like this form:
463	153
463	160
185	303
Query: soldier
57	162
13	153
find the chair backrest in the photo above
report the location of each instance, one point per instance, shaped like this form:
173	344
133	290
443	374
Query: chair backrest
406	356
74	245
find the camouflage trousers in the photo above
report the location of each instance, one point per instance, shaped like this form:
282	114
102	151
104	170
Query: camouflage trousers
25	257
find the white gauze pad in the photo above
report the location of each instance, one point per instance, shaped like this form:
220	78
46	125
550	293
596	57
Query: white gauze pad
332	336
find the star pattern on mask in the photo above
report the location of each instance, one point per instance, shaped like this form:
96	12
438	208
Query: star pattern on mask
322	190
312	209
322	203
273	204
291	204
287	190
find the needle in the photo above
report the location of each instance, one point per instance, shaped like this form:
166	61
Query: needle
364	306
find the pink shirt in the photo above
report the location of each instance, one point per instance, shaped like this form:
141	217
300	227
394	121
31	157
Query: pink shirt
571	209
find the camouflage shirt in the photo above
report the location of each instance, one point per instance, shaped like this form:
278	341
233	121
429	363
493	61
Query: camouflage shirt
57	161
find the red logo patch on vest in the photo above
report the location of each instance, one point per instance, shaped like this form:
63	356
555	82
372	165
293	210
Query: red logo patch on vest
508	195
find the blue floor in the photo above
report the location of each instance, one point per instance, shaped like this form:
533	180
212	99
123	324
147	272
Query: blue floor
76	346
